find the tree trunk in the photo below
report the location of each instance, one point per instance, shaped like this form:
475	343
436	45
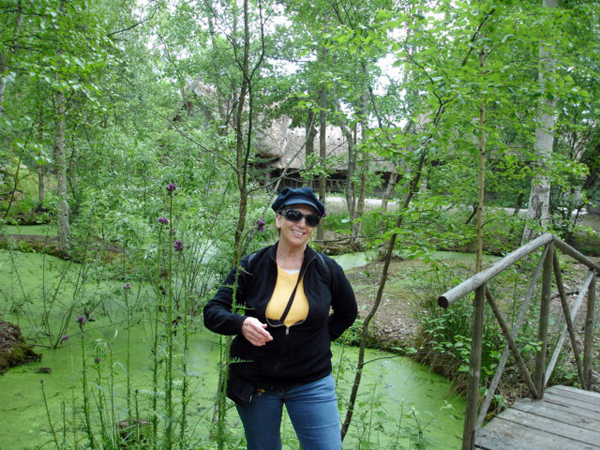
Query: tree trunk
41	166
394	175
414	186
322	145
538	212
3	58
41	185
364	170
478	302
60	158
350	188
311	133
241	144
2	84
389	189
222	110
481	177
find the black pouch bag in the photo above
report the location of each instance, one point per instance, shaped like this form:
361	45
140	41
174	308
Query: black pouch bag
238	389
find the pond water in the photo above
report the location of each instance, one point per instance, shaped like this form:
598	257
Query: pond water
397	397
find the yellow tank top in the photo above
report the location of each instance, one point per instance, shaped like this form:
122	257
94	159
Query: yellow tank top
281	296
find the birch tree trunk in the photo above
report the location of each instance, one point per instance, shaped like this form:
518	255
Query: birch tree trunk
538	212
60	158
41	170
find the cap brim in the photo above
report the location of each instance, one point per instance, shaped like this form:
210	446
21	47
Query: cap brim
302	202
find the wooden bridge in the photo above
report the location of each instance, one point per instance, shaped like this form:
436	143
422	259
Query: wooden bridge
565	419
561	418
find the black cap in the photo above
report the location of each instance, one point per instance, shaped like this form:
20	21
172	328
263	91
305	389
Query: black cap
301	196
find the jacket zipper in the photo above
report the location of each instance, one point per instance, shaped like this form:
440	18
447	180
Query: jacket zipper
287	329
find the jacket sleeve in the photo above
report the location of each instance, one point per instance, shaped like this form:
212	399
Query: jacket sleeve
218	312
343	302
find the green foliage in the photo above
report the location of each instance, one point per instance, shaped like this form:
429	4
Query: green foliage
445	334
152	94
448	337
339	222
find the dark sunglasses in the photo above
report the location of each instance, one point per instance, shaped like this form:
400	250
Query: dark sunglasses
293	215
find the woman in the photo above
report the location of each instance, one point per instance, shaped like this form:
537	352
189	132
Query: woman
292	302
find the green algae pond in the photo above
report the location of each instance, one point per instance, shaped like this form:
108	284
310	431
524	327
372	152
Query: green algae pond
400	402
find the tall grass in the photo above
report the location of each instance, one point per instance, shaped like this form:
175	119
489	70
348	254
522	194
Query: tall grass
161	288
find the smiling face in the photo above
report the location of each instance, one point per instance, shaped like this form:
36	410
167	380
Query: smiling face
292	233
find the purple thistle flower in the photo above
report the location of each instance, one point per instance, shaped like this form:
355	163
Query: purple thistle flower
260	225
97	360
127	286
81	320
178	246
163	220
65	337
170	188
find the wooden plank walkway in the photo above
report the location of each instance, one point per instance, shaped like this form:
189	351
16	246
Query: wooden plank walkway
565	419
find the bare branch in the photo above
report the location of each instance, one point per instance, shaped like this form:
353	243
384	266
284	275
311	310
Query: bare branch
135	25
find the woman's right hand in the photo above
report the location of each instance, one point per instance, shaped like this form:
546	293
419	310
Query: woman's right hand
255	332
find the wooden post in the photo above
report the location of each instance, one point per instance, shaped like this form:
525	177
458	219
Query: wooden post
487	401
568	320
513	346
474	371
583	292
540	366
588	342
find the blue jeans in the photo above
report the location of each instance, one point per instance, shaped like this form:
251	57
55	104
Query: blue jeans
312	409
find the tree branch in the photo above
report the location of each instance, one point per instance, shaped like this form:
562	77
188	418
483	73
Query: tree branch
135	25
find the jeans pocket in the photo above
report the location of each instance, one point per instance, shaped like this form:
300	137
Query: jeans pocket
238	389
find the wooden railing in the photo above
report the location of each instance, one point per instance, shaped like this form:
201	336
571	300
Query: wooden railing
548	264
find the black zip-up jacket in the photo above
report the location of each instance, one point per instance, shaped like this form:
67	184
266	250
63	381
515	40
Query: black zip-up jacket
300	354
